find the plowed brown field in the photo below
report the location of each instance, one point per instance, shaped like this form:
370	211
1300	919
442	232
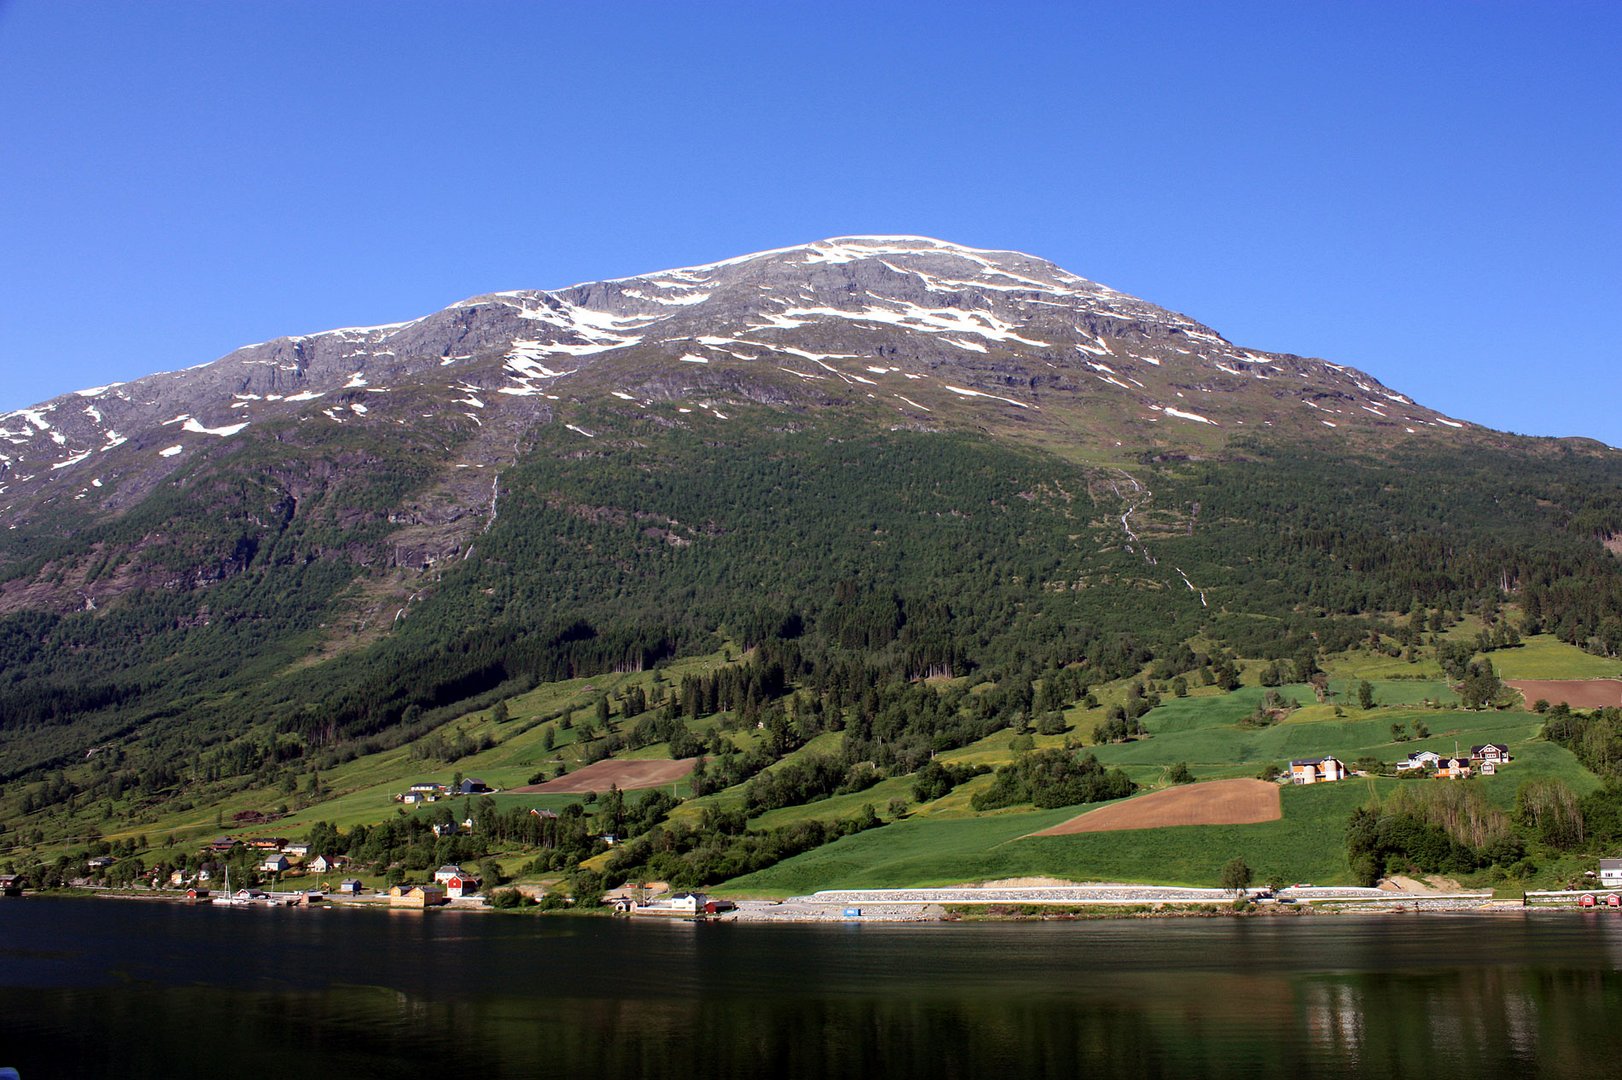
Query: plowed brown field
1578	693
1215	802
626	775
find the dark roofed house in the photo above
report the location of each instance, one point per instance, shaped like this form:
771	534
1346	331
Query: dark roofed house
1418	759
11	884
416	896
1452	768
472	786
1497	753
349	887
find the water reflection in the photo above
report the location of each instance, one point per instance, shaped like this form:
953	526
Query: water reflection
97	989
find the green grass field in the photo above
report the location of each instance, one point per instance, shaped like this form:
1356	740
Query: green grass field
1369	664
1213	745
1304	845
946	841
1546	657
362	791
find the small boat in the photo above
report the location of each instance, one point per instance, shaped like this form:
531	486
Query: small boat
227	896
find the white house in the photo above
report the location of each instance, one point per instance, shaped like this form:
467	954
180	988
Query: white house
1317	770
1610	873
687	904
1418	760
275	864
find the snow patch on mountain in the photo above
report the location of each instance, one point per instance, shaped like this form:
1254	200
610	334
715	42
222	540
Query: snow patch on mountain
964	392
97	391
684	300
74	460
196	427
930	320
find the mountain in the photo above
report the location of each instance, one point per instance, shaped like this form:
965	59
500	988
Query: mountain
902	330
872	460
913	327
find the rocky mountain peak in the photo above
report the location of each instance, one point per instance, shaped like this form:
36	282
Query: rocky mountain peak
936	332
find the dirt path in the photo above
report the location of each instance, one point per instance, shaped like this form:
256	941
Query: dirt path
1216	802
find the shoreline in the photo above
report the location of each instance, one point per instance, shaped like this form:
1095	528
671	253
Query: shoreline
992	902
1099	901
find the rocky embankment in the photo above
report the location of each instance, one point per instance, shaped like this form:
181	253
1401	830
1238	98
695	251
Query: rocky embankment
924	905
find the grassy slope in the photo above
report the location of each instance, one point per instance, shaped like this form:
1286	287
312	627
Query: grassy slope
943	846
1546	657
945	842
362	791
1303	846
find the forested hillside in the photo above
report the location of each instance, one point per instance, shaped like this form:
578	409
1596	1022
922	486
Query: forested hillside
870	502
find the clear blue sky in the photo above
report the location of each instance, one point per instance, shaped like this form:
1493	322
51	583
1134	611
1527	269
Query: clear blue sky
1429	191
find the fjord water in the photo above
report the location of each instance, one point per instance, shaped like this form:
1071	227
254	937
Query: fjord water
93	988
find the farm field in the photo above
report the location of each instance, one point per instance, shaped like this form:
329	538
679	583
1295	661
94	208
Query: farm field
1578	693
361	791
944	842
1303	845
1207	734
1218	802
1173	835
1544	656
627	775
